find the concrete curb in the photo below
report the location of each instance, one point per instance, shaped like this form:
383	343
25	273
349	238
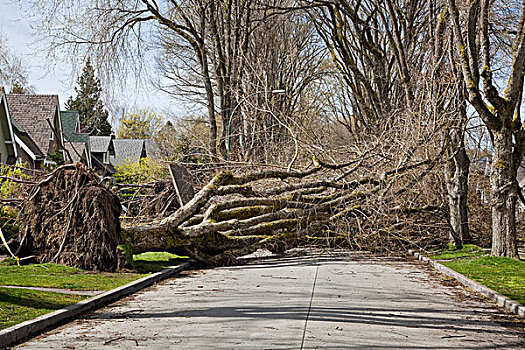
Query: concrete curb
22	331
509	304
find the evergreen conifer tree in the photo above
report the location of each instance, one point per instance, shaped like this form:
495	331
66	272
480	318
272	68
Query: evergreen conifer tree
88	104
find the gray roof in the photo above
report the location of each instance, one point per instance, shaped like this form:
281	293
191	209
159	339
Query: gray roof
79	147
99	144
128	150
31	112
153	150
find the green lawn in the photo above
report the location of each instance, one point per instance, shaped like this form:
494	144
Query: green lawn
57	276
505	276
156	261
468	250
18	305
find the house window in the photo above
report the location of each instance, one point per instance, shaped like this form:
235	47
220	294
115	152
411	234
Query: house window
105	158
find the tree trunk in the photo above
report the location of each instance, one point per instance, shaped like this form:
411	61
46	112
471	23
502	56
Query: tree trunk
212	137
214	228
202	56
504	196
456	175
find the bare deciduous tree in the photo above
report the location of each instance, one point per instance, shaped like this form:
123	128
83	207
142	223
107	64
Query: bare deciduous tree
13	73
118	33
394	61
476	39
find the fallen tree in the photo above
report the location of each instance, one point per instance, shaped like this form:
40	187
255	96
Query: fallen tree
234	215
71	217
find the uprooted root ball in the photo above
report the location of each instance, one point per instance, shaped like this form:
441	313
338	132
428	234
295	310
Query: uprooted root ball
70	219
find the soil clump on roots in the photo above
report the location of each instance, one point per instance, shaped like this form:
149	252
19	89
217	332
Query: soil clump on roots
71	219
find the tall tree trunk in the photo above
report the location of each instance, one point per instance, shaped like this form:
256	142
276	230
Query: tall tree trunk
456	176
504	195
208	87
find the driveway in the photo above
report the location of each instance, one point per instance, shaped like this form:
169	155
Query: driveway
322	301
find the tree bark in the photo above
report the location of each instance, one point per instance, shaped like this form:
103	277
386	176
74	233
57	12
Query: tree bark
228	217
476	51
456	176
504	196
212	137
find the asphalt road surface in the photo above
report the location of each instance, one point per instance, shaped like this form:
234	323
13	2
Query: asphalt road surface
323	301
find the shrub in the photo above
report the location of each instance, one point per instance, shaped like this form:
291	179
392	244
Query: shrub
10	188
9	223
143	171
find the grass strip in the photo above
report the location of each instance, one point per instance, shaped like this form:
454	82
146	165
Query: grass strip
19	305
451	252
503	275
156	261
51	275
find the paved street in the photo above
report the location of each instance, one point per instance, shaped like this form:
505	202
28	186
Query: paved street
348	301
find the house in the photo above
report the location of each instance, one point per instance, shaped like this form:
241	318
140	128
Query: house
8	149
102	148
28	151
36	124
128	150
153	150
76	143
482	164
107	152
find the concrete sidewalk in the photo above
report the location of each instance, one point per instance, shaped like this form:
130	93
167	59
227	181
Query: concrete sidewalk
348	301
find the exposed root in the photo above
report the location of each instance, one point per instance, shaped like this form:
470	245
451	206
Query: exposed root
70	219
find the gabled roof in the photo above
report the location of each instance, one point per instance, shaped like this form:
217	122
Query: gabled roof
70	121
31	113
79	137
99	144
26	142
71	127
128	150
153	150
107	169
80	149
7	130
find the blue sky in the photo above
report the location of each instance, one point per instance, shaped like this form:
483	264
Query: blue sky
49	78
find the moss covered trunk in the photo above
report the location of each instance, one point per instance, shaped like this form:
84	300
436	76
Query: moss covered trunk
504	195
